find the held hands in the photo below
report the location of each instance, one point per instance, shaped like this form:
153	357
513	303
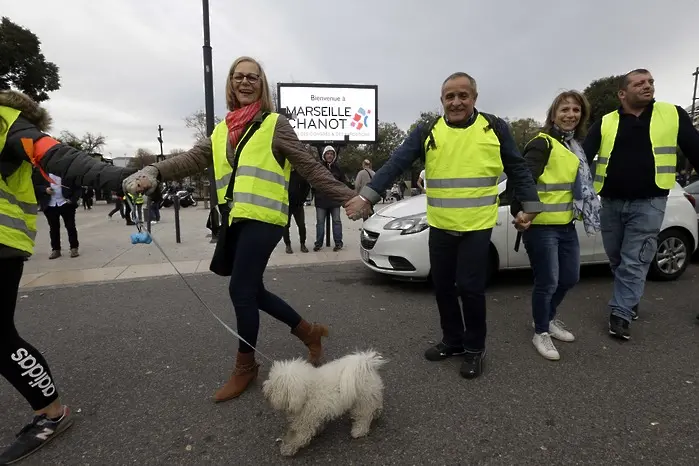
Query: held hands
357	208
523	221
143	181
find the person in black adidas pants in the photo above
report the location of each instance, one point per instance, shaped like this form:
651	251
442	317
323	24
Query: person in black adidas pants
24	143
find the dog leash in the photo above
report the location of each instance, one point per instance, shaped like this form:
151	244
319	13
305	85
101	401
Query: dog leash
145	237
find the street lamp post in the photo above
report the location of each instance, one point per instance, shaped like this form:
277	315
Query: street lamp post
694	96
161	157
209	106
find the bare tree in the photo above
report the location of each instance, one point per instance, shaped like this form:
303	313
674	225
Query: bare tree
90	142
141	158
93	143
197	122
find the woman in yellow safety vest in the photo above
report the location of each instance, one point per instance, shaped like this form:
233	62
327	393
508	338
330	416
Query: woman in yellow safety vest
252	151
565	187
23	146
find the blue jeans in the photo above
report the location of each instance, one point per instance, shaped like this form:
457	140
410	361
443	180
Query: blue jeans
630	236
554	254
321	215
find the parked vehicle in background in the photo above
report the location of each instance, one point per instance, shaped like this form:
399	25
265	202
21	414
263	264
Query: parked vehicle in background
394	241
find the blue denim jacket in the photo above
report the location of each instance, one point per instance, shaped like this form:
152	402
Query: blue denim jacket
412	148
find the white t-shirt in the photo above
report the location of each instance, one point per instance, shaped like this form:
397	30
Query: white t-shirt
422	176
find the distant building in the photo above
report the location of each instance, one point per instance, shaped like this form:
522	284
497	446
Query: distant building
119	161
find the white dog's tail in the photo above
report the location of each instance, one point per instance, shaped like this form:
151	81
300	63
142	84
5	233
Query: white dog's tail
365	367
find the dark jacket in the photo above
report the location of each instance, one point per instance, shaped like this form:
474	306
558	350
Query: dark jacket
536	154
322	201
298	189
43	198
631	168
413	148
76	168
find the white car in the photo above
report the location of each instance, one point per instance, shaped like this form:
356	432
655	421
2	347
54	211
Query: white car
394	240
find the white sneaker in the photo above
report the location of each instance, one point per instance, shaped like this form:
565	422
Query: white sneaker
544	345
558	331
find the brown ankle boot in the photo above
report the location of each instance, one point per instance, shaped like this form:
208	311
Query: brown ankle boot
244	373
310	335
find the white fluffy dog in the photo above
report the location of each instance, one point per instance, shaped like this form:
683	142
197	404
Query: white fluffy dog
312	396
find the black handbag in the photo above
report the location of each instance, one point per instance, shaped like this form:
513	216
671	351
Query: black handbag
224	253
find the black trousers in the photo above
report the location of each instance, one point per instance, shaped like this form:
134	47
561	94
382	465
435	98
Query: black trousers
299	216
20	363
118	207
54	215
460	270
254	242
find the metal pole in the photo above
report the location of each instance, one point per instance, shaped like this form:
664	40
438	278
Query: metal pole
209	106
694	96
160	140
177	218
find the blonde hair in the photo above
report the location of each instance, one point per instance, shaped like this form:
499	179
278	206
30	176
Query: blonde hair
581	100
265	96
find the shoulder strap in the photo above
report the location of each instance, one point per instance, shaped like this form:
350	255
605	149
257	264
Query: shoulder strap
369	173
427	134
247	134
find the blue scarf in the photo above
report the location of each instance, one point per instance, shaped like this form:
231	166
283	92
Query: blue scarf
586	204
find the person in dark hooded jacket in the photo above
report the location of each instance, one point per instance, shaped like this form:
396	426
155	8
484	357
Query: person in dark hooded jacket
298	192
24	145
326	207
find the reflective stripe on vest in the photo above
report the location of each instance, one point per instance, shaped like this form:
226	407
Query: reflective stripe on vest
18	206
555	185
222	169
664	127
261	189
463	168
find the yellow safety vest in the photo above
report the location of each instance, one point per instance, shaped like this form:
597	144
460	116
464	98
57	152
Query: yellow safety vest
137	199
664	126
261	189
222	169
555	185
18	207
462	168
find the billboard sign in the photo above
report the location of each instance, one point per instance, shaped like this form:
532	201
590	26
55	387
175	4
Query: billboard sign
330	112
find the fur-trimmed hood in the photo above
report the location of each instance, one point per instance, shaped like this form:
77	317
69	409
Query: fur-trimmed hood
30	109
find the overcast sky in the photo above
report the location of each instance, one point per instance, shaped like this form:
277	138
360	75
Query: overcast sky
127	65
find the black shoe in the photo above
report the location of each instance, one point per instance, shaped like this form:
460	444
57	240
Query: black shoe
634	312
619	328
472	366
304	248
441	351
35	435
337	247
317	248
288	249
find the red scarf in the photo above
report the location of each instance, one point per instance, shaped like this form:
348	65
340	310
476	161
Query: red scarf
238	119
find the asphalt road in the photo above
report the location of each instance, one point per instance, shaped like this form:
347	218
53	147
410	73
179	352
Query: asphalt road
138	361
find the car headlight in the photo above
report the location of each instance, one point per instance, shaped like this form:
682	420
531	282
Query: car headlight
408	225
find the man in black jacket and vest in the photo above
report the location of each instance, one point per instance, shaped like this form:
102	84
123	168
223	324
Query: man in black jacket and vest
635	170
58	201
298	192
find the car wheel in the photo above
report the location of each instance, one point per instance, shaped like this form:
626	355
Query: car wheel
672	257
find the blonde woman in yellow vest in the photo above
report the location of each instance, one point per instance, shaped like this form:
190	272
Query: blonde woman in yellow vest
465	152
255	148
635	170
564	183
23	146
